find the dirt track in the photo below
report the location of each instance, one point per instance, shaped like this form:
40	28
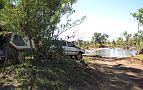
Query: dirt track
116	74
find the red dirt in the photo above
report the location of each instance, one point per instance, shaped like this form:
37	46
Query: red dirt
115	74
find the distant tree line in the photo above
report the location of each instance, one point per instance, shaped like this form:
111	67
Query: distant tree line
126	40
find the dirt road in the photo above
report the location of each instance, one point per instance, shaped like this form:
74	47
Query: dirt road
116	73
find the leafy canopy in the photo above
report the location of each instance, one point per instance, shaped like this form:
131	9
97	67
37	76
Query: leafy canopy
35	18
99	38
138	15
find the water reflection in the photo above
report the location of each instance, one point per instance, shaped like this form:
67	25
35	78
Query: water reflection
111	52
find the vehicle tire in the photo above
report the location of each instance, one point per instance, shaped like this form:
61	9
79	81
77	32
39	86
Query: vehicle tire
7	87
71	57
1	63
79	56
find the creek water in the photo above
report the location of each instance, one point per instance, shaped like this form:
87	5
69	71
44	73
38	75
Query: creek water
111	52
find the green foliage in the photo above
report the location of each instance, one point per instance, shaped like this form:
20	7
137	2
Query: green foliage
130	40
138	15
38	19
12	16
62	74
127	38
124	41
113	43
2	4
99	38
120	41
83	44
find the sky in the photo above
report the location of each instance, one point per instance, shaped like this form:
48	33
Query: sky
112	17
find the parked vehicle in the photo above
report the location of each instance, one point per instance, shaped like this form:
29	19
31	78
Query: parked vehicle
14	48
70	49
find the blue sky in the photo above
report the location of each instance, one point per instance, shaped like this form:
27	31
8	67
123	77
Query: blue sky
108	8
105	16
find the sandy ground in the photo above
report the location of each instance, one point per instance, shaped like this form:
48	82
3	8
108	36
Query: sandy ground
115	73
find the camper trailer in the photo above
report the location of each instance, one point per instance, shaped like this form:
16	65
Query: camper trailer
13	47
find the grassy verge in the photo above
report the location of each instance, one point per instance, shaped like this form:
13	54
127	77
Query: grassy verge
140	56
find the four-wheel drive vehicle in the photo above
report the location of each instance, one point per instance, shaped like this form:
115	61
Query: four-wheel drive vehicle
70	49
14	48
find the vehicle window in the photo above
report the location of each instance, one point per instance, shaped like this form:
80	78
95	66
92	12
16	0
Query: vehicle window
70	44
18	41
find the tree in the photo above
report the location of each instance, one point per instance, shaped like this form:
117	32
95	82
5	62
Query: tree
127	37
139	16
113	43
99	38
138	37
120	41
38	20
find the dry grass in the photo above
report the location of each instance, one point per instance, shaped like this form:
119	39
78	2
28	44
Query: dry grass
140	56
